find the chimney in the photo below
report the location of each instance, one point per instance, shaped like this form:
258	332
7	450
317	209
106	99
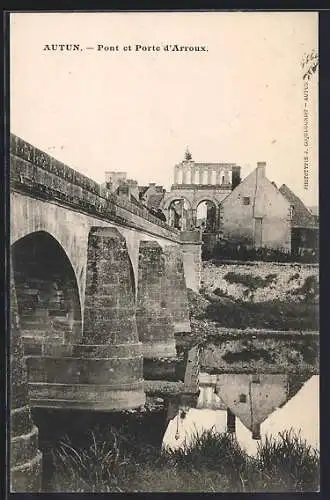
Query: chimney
114	179
261	169
133	188
235	176
124	190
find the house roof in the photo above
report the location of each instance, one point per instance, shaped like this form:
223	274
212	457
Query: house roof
301	217
136	202
142	190
155	199
314	210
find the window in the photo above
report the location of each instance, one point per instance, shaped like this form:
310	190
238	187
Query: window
246	200
242	398
291	211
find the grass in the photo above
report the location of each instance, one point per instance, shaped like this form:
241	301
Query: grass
212	462
276	315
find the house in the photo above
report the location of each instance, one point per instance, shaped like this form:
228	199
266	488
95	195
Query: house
114	179
151	195
256	214
304	224
314	210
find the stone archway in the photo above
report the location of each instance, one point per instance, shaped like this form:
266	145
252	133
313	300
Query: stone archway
206	214
47	292
178	212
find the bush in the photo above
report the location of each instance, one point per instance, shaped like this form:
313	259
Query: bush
240	252
270	315
250	281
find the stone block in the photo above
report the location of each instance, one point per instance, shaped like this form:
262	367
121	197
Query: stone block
59	370
176	291
25	459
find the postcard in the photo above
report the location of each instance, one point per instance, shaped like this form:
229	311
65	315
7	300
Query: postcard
164	252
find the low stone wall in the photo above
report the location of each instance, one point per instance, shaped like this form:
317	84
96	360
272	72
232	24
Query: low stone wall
40	175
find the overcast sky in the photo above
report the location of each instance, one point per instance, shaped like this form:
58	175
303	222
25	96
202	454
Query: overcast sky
241	101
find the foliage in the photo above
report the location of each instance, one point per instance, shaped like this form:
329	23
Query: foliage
211	462
94	466
250	281
269	315
295	463
239	252
309	289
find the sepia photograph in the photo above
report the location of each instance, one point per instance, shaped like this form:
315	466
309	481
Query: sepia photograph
164	252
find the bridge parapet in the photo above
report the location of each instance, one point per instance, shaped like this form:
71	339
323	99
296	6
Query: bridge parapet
37	173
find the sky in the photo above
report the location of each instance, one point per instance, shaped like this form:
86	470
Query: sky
241	100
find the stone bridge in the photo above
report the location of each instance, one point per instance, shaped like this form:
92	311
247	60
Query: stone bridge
99	291
99	309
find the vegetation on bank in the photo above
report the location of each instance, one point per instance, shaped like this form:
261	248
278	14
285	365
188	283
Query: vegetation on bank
238	252
212	462
273	315
242	297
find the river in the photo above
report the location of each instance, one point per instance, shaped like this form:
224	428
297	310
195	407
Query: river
301	413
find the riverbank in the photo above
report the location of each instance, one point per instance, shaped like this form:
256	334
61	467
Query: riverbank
258	295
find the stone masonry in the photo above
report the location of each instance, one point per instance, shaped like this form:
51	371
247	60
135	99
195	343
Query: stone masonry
153	316
104	371
176	291
100	295
26	459
192	250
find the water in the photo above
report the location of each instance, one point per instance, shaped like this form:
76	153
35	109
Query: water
270	399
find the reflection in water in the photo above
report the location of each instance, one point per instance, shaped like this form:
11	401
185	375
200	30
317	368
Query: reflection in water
252	406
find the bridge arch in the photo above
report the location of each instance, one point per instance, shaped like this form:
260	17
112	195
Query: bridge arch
48	298
69	229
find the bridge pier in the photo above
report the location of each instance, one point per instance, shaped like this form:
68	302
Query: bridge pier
26	459
110	340
176	290
191	242
153	317
104	369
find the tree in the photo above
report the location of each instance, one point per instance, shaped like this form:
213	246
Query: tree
310	64
187	155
